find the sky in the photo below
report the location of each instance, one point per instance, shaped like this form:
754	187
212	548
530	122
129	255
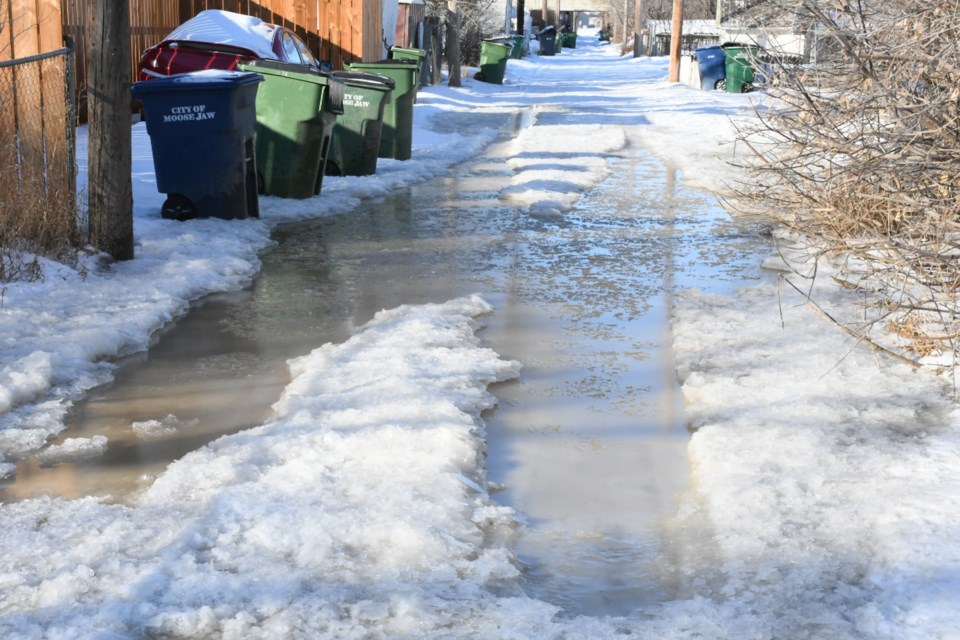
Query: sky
823	491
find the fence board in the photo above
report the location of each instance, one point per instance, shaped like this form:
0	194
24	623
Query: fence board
51	31
56	141
9	176
27	94
6	33
371	29
26	41
74	20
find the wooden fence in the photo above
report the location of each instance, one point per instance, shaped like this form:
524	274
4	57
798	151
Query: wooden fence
37	124
340	31
29	27
37	162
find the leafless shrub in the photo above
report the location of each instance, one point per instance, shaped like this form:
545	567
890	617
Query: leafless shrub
35	223
38	209
860	153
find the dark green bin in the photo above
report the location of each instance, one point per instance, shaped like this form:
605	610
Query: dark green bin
297	108
355	144
739	66
493	61
413	55
517	42
396	136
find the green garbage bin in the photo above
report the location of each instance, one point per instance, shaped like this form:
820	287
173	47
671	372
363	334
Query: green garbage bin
297	108
739	61
569	39
516	52
493	61
396	136
412	54
355	144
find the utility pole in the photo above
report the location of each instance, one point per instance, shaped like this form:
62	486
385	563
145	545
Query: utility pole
109	187
543	14
453	44
675	37
638	29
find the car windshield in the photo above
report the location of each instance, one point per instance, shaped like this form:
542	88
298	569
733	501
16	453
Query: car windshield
305	53
290	50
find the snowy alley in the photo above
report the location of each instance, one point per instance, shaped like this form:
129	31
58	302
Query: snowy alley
533	383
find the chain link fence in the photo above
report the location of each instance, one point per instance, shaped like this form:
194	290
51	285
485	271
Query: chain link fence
38	204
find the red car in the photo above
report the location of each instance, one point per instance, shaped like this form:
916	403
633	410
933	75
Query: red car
216	39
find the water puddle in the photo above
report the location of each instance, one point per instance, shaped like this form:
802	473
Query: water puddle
589	444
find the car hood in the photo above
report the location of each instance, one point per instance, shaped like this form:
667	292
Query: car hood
226	27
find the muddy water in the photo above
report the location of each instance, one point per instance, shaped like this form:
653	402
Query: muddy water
588	445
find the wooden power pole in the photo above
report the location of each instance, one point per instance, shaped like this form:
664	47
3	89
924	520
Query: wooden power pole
675	37
638	29
453	44
109	188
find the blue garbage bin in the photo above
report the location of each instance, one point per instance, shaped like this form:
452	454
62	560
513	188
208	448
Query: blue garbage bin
201	128
711	61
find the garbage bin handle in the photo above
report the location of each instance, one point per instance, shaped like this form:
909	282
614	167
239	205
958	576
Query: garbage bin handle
335	90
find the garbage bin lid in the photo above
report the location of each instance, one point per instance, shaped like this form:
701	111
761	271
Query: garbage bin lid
197	80
422	53
548	28
281	68
403	61
358	77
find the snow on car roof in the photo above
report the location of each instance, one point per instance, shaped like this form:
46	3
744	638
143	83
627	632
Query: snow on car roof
226	27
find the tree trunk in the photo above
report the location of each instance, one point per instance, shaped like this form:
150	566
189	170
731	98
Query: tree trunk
453	44
109	189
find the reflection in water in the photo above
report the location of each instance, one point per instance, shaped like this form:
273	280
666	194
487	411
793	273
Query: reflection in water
589	443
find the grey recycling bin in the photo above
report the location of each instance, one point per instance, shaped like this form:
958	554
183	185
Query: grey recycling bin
548	41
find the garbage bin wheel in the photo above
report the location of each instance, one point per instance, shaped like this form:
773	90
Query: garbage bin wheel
479	76
178	207
720	85
332	169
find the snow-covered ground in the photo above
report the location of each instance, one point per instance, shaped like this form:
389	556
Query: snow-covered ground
823	499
